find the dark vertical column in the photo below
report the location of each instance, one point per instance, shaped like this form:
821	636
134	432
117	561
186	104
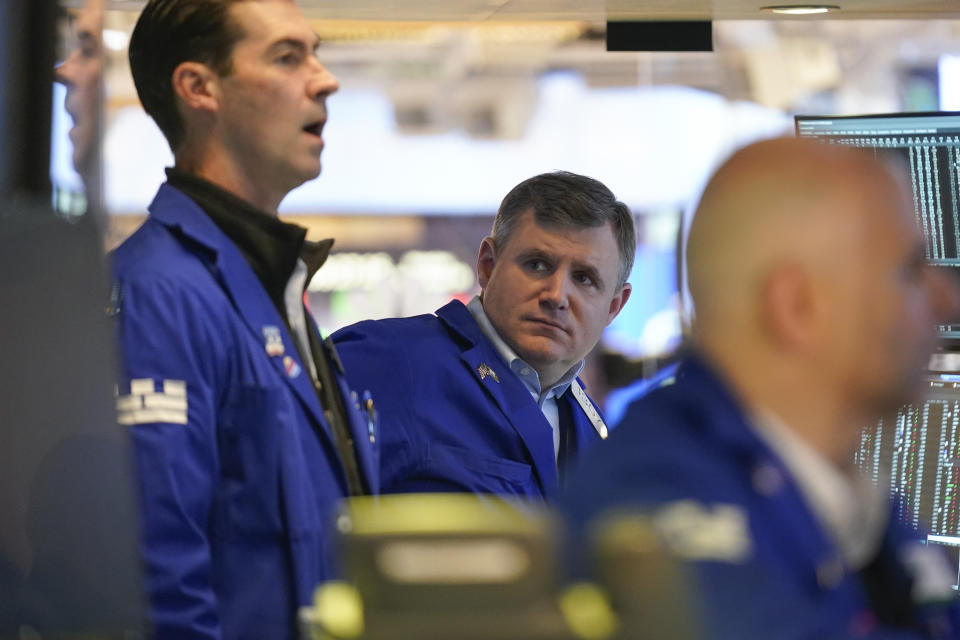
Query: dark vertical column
27	31
68	561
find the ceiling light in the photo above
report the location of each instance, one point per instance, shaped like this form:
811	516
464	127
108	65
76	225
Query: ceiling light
115	40
800	9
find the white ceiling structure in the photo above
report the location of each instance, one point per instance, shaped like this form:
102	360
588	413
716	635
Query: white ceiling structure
474	66
413	46
596	10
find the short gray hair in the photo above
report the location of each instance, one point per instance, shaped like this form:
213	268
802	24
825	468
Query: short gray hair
568	200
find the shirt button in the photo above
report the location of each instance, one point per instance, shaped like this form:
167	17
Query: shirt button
767	480
830	574
525	371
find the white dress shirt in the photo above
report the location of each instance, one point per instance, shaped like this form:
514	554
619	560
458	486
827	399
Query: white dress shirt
848	506
545	399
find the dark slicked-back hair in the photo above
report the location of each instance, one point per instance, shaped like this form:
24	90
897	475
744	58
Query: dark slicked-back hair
569	201
168	33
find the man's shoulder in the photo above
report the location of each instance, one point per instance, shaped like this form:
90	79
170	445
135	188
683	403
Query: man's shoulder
155	250
176	230
159	272
402	333
146	242
687	397
667	422
671	442
413	352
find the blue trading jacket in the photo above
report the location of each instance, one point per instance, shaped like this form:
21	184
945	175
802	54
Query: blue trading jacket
762	567
454	417
238	469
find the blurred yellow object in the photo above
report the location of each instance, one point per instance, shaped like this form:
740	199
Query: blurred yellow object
626	532
587	611
338	609
444	566
436	514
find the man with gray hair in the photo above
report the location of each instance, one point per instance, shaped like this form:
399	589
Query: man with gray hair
485	397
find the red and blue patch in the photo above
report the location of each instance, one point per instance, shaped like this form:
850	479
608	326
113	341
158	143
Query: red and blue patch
291	367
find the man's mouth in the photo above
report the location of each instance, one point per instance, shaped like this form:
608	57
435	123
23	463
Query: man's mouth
314	128
71	113
549	323
75	125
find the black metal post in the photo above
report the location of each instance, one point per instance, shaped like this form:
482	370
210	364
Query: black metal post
27	34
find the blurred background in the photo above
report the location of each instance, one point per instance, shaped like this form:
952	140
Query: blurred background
444	106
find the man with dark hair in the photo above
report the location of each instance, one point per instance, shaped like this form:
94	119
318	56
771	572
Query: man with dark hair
815	315
245	432
205	33
485	397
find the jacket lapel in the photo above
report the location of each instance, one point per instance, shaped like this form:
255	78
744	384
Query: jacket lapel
507	391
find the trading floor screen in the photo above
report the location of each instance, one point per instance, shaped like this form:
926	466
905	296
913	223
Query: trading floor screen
929	144
918	453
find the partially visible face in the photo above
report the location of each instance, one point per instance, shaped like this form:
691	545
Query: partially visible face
550	292
80	73
273	105
895	303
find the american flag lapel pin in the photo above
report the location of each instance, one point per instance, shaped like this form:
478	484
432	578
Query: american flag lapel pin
484	370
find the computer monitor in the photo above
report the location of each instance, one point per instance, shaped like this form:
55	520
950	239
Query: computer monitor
917	452
929	145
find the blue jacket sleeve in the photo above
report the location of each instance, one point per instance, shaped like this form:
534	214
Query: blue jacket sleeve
375	359
167	396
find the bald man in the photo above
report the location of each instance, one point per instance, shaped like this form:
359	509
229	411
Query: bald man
815	314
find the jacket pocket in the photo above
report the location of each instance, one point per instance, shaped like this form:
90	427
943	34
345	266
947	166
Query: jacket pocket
480	472
249	441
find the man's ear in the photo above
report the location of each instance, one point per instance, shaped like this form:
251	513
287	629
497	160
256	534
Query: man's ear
618	301
197	86
789	305
486	259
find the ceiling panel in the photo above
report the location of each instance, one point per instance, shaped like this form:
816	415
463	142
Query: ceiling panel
601	10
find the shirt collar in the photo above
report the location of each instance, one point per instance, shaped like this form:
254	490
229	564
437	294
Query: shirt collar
852	511
270	246
526	373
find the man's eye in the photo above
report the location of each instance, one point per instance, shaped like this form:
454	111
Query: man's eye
289	58
583	278
537	265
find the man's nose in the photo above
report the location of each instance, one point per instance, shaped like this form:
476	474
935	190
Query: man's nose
945	293
555	292
63	72
322	83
